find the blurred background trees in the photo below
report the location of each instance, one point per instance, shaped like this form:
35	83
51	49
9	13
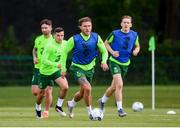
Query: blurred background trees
19	25
19	20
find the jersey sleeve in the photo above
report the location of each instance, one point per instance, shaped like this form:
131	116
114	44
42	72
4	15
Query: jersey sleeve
102	49
36	42
110	38
68	47
137	41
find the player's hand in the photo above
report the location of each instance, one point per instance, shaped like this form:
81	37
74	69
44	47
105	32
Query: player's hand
104	67
115	53
63	75
59	66
135	52
35	61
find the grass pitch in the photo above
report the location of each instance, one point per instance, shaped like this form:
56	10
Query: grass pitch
17	109
24	117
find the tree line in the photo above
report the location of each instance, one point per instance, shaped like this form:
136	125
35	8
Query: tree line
19	21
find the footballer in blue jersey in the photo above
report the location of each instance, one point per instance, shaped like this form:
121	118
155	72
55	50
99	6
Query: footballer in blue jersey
120	44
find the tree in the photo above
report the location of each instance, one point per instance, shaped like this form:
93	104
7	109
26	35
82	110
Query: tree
168	19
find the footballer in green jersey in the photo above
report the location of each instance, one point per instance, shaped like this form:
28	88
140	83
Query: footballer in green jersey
84	47
50	71
40	42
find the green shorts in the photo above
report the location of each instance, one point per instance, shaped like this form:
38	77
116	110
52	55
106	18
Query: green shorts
35	77
78	73
118	69
48	80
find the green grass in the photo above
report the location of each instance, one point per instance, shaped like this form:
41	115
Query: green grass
17	109
24	116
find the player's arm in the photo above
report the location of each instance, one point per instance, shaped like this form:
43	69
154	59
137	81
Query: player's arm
68	47
136	47
104	53
34	52
107	43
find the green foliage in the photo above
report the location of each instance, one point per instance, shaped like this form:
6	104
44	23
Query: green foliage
106	14
157	15
10	42
11	46
30	44
168	48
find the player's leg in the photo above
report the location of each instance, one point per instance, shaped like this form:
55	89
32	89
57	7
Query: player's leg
119	87
37	91
40	96
114	68
48	100
119	94
85	82
45	83
118	81
63	88
71	104
85	93
35	81
85	90
77	96
39	99
34	89
109	91
85	85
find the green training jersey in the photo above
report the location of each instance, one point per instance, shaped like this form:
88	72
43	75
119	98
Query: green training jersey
69	47
40	43
51	57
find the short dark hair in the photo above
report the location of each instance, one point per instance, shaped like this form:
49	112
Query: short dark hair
58	29
84	19
46	21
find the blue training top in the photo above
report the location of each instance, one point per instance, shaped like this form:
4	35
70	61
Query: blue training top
84	52
124	43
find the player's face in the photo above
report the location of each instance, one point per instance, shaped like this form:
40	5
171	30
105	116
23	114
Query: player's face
46	29
86	28
126	24
59	36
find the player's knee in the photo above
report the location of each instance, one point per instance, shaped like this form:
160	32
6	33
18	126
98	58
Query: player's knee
65	88
80	94
35	90
119	87
113	88
87	89
49	89
41	93
34	93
